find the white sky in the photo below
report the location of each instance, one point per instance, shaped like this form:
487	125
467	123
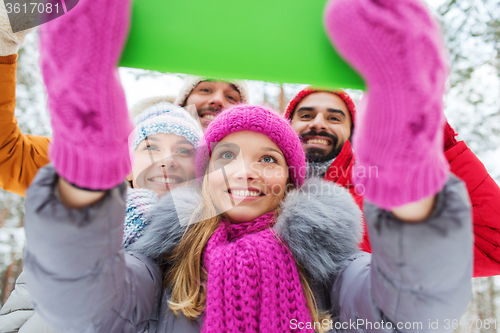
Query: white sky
435	3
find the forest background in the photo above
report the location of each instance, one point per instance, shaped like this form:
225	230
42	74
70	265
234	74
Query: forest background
472	106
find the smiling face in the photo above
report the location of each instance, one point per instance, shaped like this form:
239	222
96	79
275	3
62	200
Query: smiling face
324	122
248	176
210	97
162	162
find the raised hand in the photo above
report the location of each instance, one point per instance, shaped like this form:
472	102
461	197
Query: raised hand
79	55
9	41
397	47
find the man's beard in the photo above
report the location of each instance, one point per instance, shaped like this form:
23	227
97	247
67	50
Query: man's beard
318	155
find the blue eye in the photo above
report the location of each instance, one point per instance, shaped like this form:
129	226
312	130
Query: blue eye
305	116
185	151
268	159
227	155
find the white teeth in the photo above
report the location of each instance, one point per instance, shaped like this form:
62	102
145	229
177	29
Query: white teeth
164	180
208	117
318	141
241	193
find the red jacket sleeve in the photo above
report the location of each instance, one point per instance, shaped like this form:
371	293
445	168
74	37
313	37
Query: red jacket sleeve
485	197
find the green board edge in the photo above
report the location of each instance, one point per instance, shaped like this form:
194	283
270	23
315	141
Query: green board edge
274	40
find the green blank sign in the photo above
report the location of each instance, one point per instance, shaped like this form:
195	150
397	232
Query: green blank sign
270	40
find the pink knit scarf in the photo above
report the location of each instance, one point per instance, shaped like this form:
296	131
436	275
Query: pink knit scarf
253	284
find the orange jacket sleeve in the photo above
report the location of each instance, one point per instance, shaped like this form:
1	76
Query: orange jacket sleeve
20	155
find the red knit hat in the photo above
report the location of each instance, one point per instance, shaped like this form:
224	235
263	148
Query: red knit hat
309	90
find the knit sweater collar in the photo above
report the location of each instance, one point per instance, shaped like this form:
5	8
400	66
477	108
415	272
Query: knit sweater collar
139	201
318	169
233	231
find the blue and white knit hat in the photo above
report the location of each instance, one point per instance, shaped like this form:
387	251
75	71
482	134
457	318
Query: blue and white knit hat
166	118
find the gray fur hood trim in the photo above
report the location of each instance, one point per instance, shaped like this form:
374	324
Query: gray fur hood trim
168	220
321	224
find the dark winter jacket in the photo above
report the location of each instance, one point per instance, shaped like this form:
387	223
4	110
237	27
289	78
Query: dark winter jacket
81	279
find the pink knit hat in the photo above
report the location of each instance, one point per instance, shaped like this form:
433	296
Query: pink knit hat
257	119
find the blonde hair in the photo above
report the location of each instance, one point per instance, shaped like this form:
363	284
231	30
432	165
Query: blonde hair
187	277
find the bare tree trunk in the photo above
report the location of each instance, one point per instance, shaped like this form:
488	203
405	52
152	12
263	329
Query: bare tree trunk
11	273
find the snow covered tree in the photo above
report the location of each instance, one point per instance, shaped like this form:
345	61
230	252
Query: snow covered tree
472	34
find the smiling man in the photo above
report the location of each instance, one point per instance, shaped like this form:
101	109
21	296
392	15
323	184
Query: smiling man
210	96
324	121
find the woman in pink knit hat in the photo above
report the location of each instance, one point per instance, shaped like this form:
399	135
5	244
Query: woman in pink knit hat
254	248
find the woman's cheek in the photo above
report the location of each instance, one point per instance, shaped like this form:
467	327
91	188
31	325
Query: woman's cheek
276	176
189	168
217	189
276	190
140	164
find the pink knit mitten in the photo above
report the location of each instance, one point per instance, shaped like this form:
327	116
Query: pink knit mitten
79	55
398	140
